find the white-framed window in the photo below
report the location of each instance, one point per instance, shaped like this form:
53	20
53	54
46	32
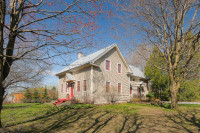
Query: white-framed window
119	68
119	87
84	85
108	64
78	86
107	86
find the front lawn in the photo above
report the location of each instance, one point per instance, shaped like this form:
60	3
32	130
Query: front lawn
108	118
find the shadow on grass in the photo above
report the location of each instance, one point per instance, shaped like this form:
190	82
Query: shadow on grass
100	120
48	114
182	118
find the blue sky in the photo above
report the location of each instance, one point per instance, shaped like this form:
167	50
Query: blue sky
105	36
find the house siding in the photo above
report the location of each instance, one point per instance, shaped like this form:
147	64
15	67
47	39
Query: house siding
135	85
80	75
96	77
101	75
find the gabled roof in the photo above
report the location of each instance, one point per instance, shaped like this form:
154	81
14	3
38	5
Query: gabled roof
136	72
90	59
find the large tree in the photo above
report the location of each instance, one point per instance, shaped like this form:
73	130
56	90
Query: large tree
55	27
167	24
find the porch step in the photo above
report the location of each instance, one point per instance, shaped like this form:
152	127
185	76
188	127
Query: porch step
61	101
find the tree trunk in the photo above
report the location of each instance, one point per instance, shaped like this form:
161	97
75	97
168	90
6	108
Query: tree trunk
174	98
1	103
174	94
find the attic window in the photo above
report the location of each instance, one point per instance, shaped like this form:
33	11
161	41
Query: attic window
108	65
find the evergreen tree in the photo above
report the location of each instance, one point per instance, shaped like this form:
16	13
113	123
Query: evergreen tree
53	88
45	94
159	78
27	96
36	95
190	86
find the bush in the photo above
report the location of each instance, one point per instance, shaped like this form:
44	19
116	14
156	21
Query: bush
75	101
150	96
157	102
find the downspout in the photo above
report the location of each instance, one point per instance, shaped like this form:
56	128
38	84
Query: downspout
91	84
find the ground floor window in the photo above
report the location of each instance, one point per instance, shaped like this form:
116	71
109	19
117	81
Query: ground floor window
78	86
107	86
131	89
119	87
84	85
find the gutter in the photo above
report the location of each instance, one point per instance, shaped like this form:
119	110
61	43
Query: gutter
89	63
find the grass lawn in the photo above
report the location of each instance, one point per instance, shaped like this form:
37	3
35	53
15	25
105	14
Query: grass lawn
108	118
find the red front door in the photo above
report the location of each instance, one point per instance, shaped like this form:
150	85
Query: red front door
71	88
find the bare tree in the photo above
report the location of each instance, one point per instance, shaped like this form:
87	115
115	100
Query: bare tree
172	26
55	27
136	56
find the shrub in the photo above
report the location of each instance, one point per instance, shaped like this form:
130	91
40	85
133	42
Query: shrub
75	101
150	96
135	99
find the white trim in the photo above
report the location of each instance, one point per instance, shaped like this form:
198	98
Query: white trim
105	65
117	68
118	88
77	86
91	80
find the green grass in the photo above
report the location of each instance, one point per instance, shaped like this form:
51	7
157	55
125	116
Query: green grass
18	105
106	118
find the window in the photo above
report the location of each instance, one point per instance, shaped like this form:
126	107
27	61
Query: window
119	68
107	86
131	90
66	86
78	86
132	79
119	87
61	87
108	65
84	85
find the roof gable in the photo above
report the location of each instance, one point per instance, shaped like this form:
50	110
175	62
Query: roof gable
87	59
136	71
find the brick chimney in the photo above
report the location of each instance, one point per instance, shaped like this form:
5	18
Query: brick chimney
80	55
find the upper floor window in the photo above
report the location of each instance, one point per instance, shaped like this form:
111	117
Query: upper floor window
84	85
119	87
78	86
107	86
119	68
108	65
61	87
